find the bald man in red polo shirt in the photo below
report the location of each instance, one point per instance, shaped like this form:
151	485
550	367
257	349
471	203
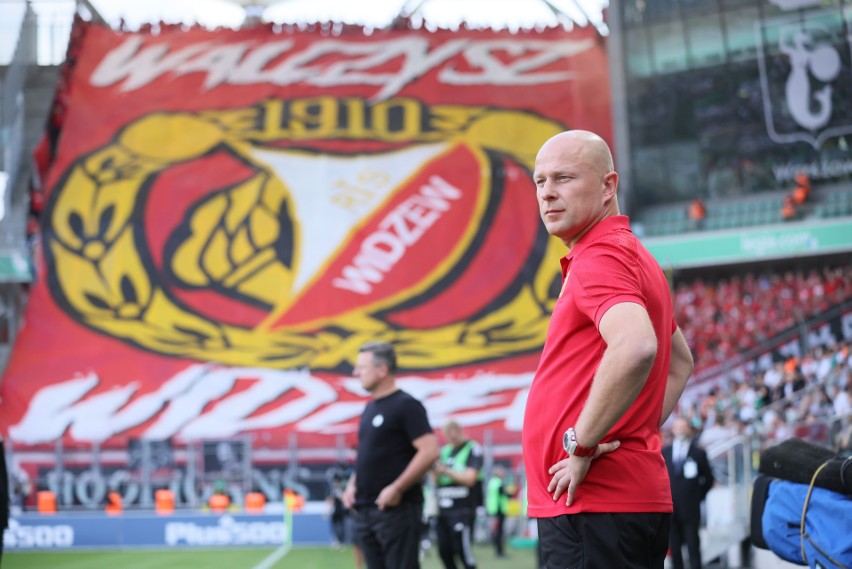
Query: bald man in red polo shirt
614	365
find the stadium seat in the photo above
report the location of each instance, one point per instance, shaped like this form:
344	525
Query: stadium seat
164	502
219	503
46	502
113	506
255	502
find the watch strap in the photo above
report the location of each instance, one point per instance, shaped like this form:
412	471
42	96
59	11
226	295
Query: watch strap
576	448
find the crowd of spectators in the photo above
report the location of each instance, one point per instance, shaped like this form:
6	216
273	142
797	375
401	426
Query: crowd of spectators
734	315
809	396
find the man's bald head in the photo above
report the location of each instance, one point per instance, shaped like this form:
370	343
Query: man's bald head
576	185
589	145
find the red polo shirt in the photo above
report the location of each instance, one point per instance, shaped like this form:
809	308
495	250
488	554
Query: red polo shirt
607	266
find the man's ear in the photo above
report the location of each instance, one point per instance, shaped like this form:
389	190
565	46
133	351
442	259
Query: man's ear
610	181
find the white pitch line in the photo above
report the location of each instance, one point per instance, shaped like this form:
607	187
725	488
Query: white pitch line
273	557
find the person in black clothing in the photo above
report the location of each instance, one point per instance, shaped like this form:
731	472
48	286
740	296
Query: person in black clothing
691	479
459	492
396	447
338	514
4	495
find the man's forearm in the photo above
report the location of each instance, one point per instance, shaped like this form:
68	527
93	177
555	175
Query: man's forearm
420	463
680	369
617	384
674	389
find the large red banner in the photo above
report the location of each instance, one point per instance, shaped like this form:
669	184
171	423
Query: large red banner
230	214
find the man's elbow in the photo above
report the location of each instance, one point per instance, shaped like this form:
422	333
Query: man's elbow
644	354
433	452
686	365
435	455
690	366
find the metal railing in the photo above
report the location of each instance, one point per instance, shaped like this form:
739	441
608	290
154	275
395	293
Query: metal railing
728	505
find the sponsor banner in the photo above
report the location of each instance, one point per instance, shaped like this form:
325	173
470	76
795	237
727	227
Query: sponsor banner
803	239
63	531
231	214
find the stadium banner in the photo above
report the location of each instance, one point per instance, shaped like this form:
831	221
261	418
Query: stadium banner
792	239
87	531
230	214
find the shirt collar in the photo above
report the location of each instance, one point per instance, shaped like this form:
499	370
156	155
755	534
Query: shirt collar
601	228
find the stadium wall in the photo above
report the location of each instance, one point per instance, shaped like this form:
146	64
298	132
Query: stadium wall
137	530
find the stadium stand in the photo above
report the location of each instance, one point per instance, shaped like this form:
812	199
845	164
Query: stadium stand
764	208
736	314
807	397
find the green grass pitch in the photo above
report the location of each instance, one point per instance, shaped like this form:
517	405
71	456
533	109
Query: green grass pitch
297	558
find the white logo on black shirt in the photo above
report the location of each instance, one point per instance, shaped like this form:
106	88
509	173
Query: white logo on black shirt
378	420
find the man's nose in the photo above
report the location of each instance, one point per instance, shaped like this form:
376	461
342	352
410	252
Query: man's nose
545	191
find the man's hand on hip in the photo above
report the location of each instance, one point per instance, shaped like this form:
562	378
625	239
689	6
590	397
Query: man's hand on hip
389	497
568	473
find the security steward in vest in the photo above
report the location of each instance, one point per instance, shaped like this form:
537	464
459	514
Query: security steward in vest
497	504
459	493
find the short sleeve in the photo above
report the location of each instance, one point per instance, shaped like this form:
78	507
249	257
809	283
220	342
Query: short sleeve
415	421
606	274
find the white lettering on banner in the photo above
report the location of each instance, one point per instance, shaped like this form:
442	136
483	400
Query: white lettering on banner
227	532
476	400
57	407
360	63
773	243
233	415
817	170
495	72
206	402
399	230
21	536
180	403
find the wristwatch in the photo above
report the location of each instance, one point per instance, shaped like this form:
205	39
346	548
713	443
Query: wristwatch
573	448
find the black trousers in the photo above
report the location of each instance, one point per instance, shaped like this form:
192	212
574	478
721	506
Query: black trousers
605	541
390	539
338	528
685	530
497	536
454	529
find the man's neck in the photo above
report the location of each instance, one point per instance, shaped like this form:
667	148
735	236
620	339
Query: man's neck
384	391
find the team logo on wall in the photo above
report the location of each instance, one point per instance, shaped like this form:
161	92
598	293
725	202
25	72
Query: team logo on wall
287	233
806	77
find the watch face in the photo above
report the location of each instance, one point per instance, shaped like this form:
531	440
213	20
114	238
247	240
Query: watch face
567	443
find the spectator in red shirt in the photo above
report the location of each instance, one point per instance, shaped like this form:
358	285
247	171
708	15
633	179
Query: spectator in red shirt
614	365
802	189
696	213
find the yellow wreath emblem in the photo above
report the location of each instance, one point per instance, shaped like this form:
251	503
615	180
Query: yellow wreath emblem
96	273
